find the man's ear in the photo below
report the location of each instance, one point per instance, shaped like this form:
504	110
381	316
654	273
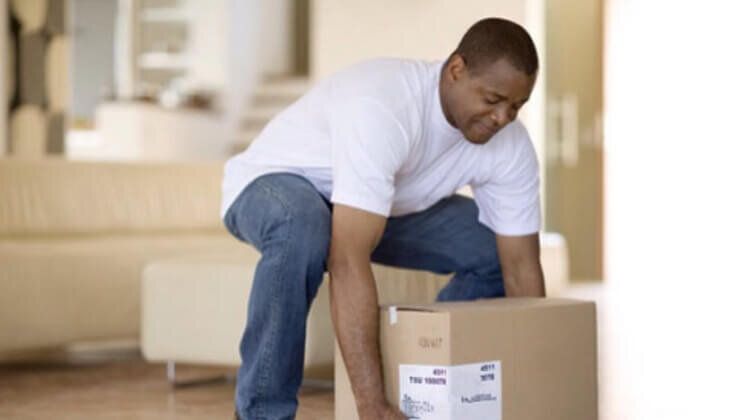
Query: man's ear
456	67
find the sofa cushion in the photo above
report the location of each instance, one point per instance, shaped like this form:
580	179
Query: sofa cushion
57	197
55	291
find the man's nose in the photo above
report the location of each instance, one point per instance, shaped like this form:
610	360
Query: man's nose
502	116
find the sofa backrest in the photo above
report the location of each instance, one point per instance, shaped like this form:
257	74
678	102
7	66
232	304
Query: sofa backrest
55	196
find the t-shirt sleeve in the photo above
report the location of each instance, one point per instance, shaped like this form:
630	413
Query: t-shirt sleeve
509	201
369	145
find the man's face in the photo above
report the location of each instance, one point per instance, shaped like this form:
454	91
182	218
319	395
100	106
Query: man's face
480	103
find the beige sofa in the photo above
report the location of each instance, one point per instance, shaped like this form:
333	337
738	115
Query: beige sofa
75	237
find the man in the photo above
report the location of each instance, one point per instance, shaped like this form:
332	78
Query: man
365	168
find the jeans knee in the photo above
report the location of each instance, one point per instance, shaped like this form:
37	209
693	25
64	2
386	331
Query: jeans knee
490	264
311	232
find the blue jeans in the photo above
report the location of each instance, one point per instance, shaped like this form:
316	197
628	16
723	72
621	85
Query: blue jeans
289	222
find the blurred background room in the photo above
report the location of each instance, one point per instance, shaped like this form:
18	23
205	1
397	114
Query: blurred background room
116	117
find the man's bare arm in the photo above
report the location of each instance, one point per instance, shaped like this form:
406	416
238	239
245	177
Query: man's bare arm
522	271
354	306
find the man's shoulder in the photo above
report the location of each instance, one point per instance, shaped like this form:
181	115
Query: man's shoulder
514	134
401	86
512	144
384	74
391	64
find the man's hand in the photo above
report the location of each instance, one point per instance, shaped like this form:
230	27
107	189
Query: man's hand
383	412
522	271
354	305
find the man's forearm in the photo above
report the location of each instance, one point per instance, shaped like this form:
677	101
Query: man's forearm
525	280
354	310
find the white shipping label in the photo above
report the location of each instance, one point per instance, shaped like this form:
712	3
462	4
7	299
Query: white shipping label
472	391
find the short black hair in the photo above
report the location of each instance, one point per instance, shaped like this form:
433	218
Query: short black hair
494	38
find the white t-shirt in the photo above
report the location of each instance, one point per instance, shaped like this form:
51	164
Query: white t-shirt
375	137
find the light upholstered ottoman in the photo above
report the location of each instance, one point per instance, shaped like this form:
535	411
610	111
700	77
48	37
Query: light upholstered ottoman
193	307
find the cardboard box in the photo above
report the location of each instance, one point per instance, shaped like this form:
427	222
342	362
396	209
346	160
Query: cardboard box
509	359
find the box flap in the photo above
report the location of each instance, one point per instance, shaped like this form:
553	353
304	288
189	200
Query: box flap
496	304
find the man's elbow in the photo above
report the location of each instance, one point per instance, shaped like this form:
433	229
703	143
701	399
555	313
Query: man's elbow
339	264
345	264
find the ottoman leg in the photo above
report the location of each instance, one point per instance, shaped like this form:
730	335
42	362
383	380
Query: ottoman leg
176	383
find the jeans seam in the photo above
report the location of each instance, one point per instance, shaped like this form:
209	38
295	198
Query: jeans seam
265	363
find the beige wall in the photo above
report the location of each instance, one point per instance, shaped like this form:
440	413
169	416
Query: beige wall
347	31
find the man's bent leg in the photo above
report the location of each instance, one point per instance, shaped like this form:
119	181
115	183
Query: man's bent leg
286	219
446	238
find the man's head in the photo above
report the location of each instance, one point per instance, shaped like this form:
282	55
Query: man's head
488	78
